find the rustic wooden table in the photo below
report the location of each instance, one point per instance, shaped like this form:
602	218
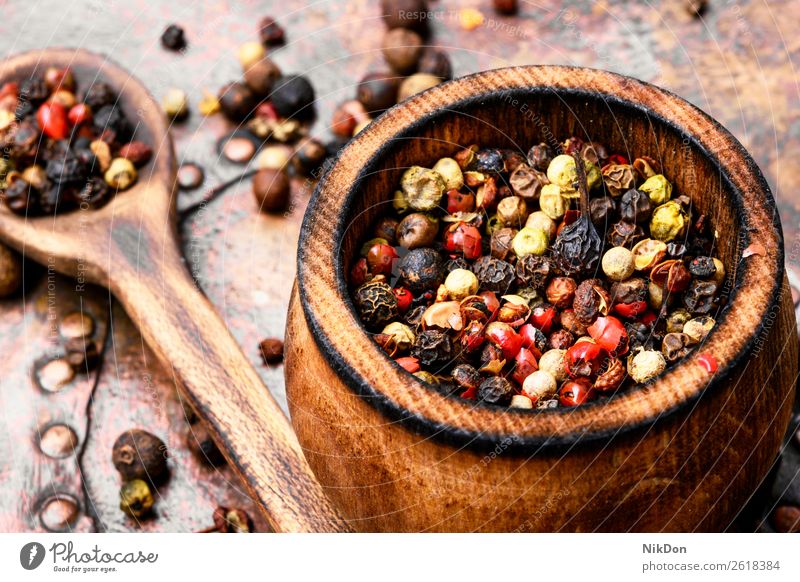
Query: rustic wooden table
738	63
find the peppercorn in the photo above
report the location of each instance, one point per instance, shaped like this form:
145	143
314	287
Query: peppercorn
411	14
530	241
175	104
699	297
625	234
135	498
560	340
461	283
553	363
540	385
551	201
648	253
112	117
702	267
422	187
533	270
489	161
505	7
618	178
173	38
672	275
450	172
271	350
521	401
675	346
202	445
618	263
435	62
270	33
495	390
603	211
591	299
432	348
236	101
99	95
645	365
698	328
533	338
611	377
635	206
512	211
272	189
138	454
500	244
378	91
561	291
139	153
422	270
381	258
121	174
402	49
209	104
261	75
376	303
417	230
676	320
658	189
293	97
669	221
416	83
494	274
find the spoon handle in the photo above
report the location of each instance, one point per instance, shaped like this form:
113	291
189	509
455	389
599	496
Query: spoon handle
186	333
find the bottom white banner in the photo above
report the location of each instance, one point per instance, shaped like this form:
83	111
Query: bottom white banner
400	557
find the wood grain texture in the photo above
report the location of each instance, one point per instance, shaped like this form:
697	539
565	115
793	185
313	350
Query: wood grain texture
130	245
659	426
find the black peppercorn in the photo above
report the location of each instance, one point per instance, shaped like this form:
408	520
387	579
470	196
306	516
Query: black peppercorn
699	297
376	303
111	117
378	91
66	170
635	206
236	101
436	63
489	161
432	348
414	315
603	211
173	38
95	193
99	95
422	270
494	274
137	454
309	157
412	14
466	376
18	197
625	234
540	156
456	263
293	97
270	33
702	267
33	90
533	271
495	390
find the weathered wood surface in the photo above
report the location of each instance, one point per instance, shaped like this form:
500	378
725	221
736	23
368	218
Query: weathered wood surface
738	64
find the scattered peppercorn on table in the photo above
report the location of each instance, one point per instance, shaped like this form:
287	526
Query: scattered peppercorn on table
258	259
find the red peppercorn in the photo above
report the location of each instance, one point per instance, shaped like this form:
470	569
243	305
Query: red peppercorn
381	258
575	392
79	114
647	317
570	216
525	365
616	159
472	337
530	336
708	362
10	88
460	202
543	316
463	238
504	337
610	334
359	273
491	302
267	111
630	310
585	358
52	118
470	393
409	364
404	298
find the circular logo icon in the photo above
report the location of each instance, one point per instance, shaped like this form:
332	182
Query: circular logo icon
31	555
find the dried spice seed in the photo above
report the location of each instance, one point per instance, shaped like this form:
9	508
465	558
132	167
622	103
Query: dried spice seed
173	38
293	97
271	350
136	498
270	33
138	454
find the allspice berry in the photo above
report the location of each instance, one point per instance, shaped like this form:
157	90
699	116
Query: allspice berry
138	454
402	49
271	188
10	271
261	76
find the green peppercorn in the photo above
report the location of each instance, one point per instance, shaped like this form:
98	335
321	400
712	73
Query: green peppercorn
699	327
562	172
530	241
677	319
551	201
135	498
401	335
512	211
657	188
450	172
121	174
669	221
423	188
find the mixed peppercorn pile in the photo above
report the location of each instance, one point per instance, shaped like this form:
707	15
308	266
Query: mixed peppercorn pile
539	280
62	152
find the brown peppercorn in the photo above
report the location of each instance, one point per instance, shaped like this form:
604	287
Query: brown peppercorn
270	33
527	182
199	441
675	346
495	390
561	291
619	178
625	234
435	62
386	228
411	14
505	7
417	230
611	377
271	189
501	243
635	206
138	152
138	454
603	211
512	211
466	376
402	49
591	300
572	324
699	297
432	348
533	270
236	101
629	291
378	91
271	351
260	77
786	519
10	271
671	275
347	116
560	340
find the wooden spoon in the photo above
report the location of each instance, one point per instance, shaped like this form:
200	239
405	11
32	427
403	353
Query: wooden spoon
131	246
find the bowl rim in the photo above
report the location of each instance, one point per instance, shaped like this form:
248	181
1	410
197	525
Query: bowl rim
405	399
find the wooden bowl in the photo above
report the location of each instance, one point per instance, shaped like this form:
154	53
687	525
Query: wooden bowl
682	454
